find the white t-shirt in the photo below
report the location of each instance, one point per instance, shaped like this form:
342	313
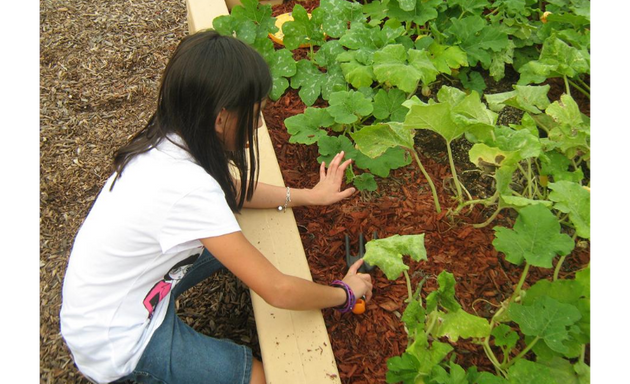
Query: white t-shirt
136	243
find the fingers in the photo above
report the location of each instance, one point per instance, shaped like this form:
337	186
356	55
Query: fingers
355	267
322	171
347	193
334	169
367	280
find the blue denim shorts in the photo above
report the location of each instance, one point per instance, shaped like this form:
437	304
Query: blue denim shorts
177	354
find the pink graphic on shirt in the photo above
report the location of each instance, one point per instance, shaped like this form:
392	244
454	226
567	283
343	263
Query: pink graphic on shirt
163	287
155	295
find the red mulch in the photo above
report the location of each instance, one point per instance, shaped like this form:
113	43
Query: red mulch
402	205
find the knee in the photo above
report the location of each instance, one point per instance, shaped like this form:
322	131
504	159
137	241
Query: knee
258	373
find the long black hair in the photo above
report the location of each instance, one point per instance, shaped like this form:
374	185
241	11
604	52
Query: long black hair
206	74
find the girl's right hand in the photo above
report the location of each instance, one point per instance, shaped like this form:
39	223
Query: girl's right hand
360	283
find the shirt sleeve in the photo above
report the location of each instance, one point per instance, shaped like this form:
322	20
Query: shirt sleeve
202	213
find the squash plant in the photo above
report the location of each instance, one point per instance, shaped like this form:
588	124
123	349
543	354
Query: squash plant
537	335
381	54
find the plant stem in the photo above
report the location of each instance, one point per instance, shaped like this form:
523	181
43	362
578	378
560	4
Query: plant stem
491	356
486	202
454	172
582	90
566	84
517	291
586	86
409	293
556	272
491	218
426	175
523	352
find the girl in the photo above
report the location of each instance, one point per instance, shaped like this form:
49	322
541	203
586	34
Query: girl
164	221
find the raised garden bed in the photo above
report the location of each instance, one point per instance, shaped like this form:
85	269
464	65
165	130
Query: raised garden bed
403	205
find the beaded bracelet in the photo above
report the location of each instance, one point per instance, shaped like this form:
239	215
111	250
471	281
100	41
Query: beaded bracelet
287	200
350	299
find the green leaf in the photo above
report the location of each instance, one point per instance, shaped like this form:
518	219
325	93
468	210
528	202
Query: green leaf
504	337
536	238
547	319
476	7
402	368
456	114
424	11
489	378
365	182
281	65
326	55
333	81
414	317
566	111
479	40
338	14
393	158
572	133
522	142
354	72
444	295
557	59
564	372
557	165
456	324
374	140
445	57
428	356
572	292
387	253
329	146
347	106
303	29
572	198
391	66
249	20
305	128
309	80
389	103
528	372
532	99
455	375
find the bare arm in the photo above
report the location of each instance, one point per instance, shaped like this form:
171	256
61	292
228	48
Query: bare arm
326	191
276	288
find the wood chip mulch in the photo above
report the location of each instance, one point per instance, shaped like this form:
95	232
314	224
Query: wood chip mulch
100	65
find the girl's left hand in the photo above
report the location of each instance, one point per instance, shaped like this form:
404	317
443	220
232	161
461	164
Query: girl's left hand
328	190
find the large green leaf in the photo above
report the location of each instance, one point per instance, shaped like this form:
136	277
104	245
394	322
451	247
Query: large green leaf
536	238
305	128
557	59
529	372
572	198
456	114
308	79
347	106
388	253
303	29
528	98
547	319
391	66
392	158
388	104
338	14
456	324
374	140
